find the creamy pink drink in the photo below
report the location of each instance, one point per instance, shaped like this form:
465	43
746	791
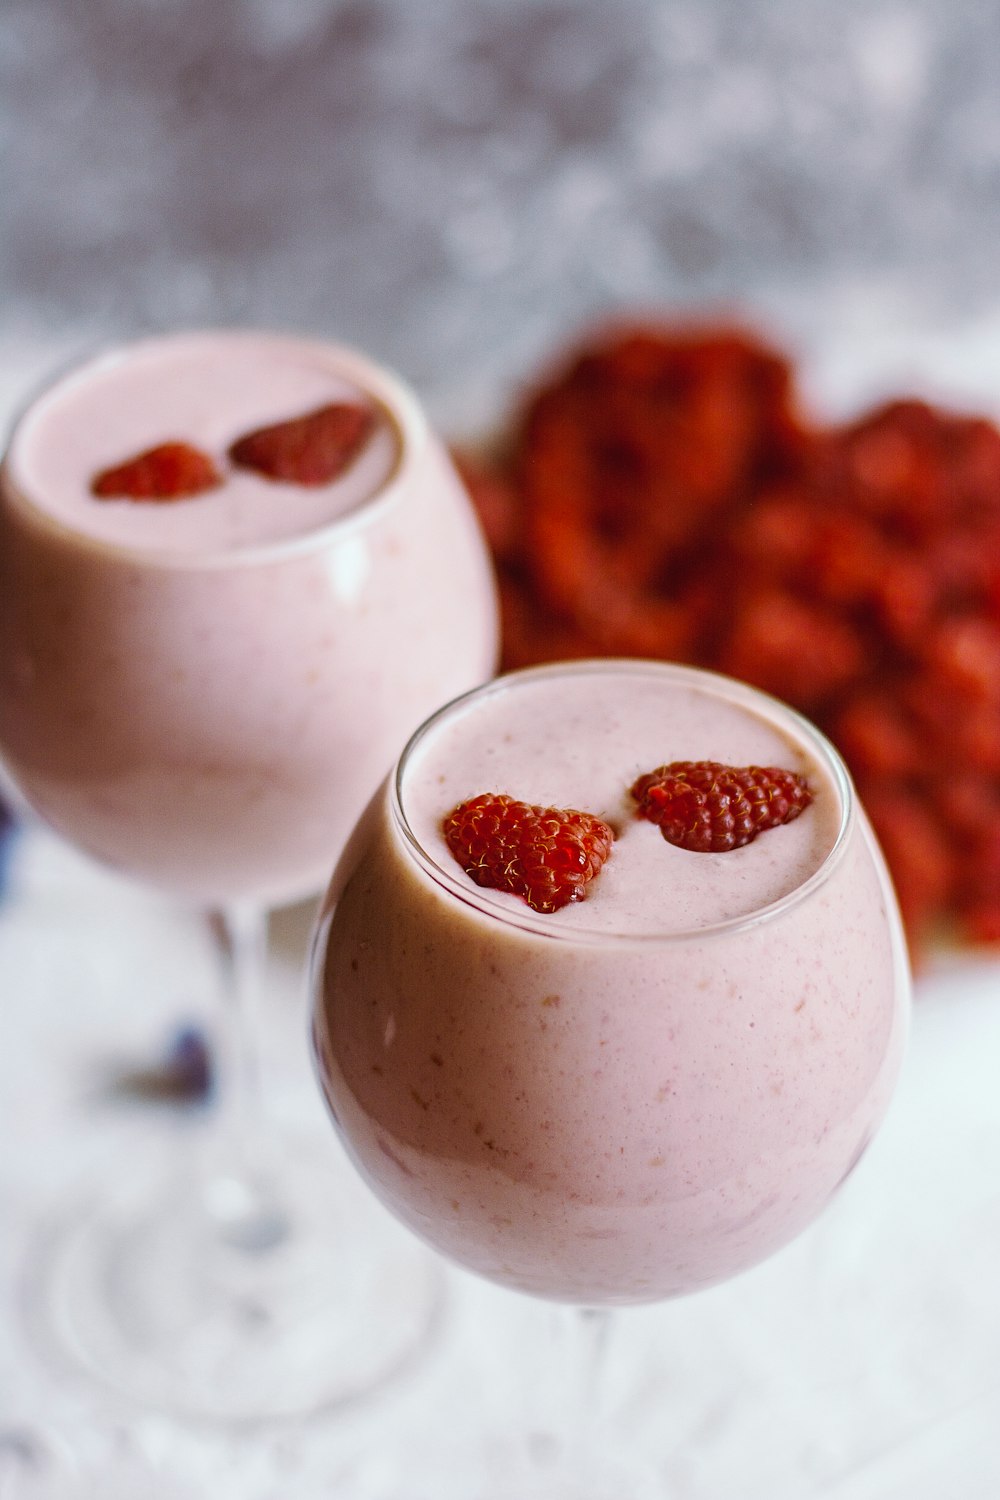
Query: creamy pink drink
204	693
650	1089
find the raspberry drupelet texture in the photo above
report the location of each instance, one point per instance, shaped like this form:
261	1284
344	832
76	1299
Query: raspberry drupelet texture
546	855
171	471
710	808
310	450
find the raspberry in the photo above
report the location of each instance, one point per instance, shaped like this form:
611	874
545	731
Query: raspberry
964	655
496	502
905	602
918	852
629	457
711	808
797	650
531	633
171	471
981	922
877	736
774	538
546	855
310	450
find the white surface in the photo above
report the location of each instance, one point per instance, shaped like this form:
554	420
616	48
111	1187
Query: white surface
862	1363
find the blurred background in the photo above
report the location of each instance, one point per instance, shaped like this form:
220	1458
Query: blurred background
459	186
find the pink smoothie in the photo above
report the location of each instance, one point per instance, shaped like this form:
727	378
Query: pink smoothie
647	1091
205	693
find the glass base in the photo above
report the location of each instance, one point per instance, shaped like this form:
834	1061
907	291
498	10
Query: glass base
183	1297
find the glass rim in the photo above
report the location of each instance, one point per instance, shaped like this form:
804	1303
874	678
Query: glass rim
389	392
540	925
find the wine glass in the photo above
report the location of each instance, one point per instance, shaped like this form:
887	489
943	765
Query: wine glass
648	1090
202	690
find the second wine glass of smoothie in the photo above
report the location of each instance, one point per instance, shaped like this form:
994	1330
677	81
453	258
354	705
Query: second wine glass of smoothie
235	569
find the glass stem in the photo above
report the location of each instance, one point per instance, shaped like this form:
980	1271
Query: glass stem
579	1358
241	1191
585	1375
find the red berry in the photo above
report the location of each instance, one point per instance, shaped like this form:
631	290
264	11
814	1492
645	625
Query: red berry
876	735
309	450
171	471
496	501
711	808
546	855
981	922
963	656
804	652
919	852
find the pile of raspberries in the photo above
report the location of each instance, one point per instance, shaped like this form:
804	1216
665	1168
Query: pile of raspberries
661	493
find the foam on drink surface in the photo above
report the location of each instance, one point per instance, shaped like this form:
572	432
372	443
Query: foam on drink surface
207	390
580	741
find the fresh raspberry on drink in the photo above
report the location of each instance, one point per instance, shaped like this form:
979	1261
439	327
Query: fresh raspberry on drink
310	450
170	471
710	808
546	855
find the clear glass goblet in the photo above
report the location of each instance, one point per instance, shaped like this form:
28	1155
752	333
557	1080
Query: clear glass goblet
643	1093
203	693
